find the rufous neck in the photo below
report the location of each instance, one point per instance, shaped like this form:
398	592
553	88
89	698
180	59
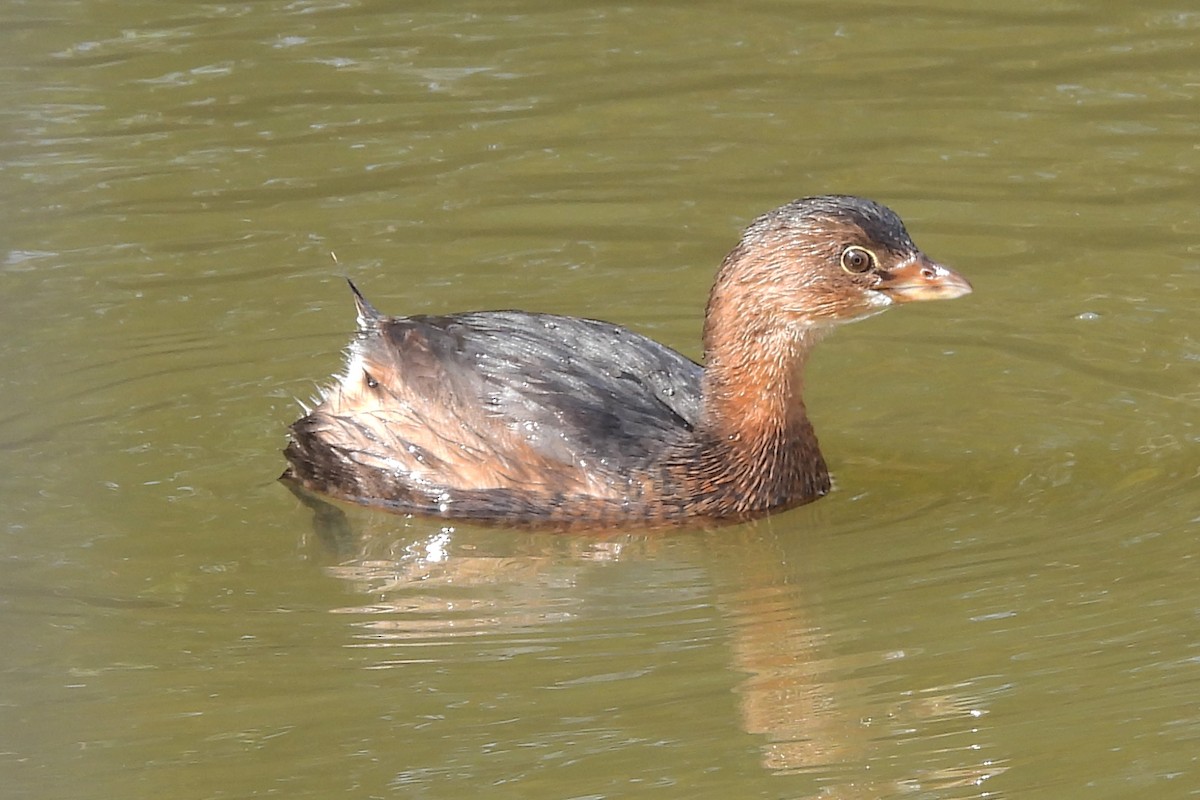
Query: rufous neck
753	381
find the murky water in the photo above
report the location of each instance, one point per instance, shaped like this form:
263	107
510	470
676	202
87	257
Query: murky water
1000	599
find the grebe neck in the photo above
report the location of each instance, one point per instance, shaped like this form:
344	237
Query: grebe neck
757	446
753	384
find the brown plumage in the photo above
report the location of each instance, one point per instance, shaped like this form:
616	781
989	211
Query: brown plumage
537	419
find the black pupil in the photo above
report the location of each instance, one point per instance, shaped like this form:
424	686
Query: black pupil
858	259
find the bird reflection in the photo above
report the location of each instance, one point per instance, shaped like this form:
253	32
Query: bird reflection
817	704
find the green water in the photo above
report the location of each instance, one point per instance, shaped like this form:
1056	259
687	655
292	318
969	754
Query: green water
999	599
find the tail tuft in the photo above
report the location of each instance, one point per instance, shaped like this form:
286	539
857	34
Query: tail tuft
368	316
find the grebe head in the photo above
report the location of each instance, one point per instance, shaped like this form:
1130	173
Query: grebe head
819	261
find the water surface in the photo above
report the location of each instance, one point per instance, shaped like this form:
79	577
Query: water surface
998	600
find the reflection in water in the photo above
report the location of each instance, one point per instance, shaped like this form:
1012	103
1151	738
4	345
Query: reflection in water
818	715
816	710
425	584
427	594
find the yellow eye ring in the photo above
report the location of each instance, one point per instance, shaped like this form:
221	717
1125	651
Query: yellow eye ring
857	260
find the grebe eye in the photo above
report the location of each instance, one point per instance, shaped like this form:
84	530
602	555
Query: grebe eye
858	259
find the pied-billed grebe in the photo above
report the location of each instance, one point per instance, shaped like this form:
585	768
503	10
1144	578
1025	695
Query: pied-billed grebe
513	417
